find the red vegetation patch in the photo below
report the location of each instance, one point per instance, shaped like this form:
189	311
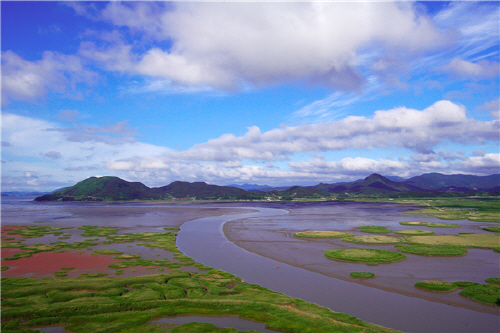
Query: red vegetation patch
46	263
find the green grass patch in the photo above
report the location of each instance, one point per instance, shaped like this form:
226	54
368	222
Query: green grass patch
374	239
108	251
432	250
42	221
430	224
483	293
374	229
362	275
323	234
494	280
365	255
436	286
465	240
4	268
95	231
492	229
414	232
465	284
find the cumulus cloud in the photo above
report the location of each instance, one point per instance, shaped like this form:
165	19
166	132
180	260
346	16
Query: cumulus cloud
74	153
397	128
415	130
30	80
266	43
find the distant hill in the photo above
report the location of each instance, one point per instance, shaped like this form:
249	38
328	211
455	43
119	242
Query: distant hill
374	184
252	187
460	183
198	190
117	189
435	184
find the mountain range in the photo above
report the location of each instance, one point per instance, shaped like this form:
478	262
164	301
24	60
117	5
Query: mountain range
116	189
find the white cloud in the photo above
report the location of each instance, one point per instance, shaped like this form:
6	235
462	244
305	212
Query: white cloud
69	154
480	69
229	45
419	131
30	80
492	107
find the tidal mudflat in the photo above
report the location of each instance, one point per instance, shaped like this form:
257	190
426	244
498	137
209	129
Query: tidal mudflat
267	231
273	237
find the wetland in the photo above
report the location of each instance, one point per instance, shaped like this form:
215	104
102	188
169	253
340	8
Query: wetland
253	242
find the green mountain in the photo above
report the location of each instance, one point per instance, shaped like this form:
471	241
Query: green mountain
198	190
117	189
438	181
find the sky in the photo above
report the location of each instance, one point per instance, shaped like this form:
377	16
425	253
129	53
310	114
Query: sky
281	94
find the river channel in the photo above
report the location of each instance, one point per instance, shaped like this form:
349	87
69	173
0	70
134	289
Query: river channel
204	240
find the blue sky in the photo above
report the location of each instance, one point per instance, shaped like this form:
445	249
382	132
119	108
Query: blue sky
284	93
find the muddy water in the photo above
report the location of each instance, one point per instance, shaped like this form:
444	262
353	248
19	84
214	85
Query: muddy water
204	240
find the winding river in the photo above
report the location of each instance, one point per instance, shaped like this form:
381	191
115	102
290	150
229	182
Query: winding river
203	240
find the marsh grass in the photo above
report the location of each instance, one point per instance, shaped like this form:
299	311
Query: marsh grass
432	250
414	232
374	239
494	280
365	255
430	224
436	286
465	240
362	275
374	229
483	293
108	251
323	234
127	304
492	229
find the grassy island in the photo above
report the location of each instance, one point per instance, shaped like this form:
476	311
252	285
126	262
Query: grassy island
365	255
492	229
414	232
430	224
362	275
374	229
323	234
436	286
374	239
433	251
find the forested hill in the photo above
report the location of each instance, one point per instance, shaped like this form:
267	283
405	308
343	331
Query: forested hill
117	189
